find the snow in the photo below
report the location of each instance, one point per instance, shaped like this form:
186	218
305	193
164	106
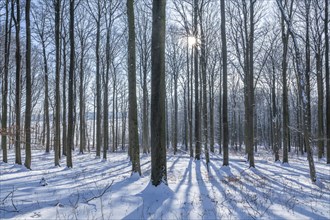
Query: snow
96	189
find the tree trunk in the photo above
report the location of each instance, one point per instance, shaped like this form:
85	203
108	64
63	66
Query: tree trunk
132	113
57	83
250	88
28	107
71	119
105	100
275	130
64	91
17	21
158	139
327	79
285	104
81	100
225	92
175	132
5	85
302	95
197	112
98	84
308	65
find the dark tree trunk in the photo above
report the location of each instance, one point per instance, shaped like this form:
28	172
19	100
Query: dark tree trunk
285	104
132	114
225	92
71	119
327	79
57	118
158	139
197	110
28	107
64	91
5	84
17	21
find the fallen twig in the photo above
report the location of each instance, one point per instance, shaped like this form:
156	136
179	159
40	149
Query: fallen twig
101	194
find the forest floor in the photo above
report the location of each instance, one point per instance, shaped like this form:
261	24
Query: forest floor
96	189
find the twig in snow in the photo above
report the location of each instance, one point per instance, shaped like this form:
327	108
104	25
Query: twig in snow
101	194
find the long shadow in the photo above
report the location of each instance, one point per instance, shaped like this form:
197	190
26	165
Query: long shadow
208	203
187	206
226	195
271	187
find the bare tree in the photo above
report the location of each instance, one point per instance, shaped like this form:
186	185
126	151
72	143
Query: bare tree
327	78
225	92
158	139
302	92
4	128
28	107
17	21
132	114
57	5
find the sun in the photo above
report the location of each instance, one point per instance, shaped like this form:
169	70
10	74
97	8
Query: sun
191	41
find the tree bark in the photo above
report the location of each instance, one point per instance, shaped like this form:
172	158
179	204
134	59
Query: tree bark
197	110
225	92
285	104
158	139
28	107
17	21
327	78
57	83
71	119
4	118
132	113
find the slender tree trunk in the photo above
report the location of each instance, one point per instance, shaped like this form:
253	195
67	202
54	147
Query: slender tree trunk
71	120
327	78
57	83
211	103
132	114
190	97
197	112
158	139
46	110
276	146
145	113
204	94
285	104
81	101
98	85
105	100
320	100
308	65
250	85
225	92
17	21
28	107
64	91
302	84
175	132
5	85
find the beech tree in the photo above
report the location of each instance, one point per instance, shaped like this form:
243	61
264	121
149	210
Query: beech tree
225	96
302	93
28	107
17	21
132	115
4	127
158	139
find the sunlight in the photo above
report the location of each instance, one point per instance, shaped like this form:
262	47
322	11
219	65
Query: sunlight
191	41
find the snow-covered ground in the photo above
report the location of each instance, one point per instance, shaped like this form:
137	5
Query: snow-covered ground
96	189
